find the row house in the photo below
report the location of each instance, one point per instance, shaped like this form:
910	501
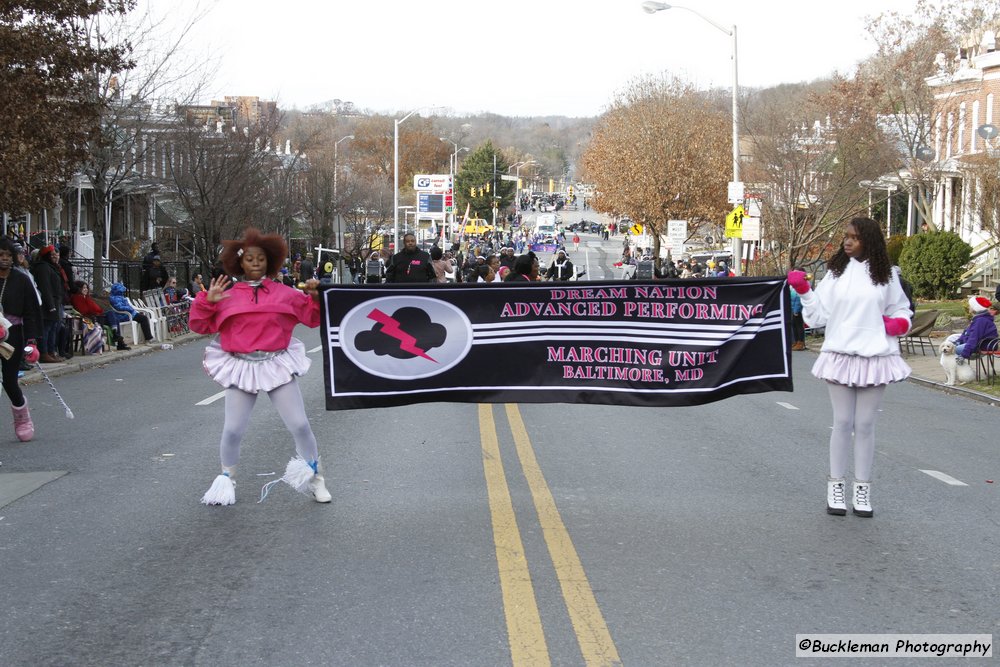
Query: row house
965	107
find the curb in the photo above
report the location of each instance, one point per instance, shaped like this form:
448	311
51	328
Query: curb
82	363
957	391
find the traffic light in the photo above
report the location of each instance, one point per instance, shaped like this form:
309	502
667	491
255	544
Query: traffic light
472	191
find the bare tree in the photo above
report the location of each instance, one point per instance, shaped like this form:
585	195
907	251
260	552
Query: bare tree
137	105
223	179
809	159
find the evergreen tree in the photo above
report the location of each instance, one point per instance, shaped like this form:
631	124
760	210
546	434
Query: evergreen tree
478	184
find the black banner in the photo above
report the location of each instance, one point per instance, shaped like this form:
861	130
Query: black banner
674	342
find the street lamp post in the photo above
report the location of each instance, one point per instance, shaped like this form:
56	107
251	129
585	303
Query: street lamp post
517	175
517	166
651	8
453	167
395	177
336	209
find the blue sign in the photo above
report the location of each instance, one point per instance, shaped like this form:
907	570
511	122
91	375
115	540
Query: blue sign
430	203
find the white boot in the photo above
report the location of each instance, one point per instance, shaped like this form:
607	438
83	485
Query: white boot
863	498
304	477
836	496
223	489
318	485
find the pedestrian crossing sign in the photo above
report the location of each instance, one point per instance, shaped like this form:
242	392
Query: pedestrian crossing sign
734	223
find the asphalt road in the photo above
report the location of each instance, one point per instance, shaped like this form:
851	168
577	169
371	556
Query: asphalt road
484	535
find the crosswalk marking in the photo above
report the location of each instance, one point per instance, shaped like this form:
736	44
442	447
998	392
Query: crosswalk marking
947	479
212	399
787	406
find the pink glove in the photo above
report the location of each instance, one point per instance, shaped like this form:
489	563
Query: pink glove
31	354
798	282
896	326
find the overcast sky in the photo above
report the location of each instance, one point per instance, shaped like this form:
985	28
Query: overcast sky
512	57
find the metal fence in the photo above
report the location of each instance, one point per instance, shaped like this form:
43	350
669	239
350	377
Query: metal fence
101	274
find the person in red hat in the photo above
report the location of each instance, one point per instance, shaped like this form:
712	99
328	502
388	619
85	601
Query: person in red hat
981	328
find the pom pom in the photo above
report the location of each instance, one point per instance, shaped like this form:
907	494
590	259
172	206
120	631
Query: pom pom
797	281
222	492
298	474
31	354
896	326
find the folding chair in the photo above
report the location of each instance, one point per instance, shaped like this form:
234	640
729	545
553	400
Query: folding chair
920	332
986	357
127	326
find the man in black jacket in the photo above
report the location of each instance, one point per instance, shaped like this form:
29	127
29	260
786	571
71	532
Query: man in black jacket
410	265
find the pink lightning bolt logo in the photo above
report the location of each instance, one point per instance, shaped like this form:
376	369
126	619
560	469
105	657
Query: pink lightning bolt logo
390	327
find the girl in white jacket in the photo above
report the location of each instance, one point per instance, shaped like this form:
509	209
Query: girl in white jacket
862	305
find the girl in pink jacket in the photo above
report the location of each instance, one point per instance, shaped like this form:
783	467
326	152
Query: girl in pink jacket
254	351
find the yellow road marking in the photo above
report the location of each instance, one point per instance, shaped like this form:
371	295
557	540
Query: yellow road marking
591	631
524	624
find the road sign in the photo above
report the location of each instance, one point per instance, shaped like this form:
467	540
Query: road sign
734	223
677	233
507	177
636	229
751	228
736	192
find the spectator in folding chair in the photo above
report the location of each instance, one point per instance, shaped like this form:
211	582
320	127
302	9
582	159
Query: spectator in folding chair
981	327
196	285
119	303
87	307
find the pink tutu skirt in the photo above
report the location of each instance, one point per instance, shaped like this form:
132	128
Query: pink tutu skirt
855	371
257	371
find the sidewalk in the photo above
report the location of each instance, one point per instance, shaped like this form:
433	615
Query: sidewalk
81	362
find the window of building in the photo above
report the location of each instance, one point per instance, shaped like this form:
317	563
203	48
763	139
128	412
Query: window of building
973	137
960	146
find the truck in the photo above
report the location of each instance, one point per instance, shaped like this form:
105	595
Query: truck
545	224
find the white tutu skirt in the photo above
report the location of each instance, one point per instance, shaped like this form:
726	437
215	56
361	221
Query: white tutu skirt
856	371
255	375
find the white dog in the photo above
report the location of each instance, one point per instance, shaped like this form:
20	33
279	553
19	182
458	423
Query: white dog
952	369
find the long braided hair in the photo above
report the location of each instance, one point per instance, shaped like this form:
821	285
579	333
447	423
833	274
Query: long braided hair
873	245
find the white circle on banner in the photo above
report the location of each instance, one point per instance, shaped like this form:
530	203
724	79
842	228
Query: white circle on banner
405	337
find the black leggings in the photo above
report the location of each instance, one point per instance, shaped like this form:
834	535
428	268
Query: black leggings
15	337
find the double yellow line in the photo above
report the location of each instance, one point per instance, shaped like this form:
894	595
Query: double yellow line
524	624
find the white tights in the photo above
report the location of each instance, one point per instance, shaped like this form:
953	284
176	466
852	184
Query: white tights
287	400
855	410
